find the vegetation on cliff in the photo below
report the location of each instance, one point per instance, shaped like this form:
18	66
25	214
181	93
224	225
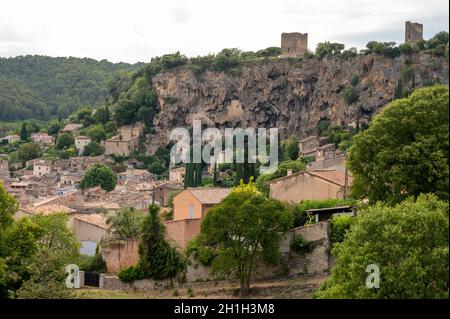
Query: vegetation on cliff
42	87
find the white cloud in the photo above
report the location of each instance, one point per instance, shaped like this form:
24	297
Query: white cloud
136	30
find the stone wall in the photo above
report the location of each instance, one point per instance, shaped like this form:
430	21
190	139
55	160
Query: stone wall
317	261
112	282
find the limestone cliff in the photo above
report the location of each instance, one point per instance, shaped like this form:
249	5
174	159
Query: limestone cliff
291	95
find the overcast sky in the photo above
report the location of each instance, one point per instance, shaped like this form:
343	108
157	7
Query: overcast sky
136	30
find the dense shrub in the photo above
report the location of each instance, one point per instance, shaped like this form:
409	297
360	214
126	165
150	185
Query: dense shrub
409	244
203	254
157	259
300	245
340	226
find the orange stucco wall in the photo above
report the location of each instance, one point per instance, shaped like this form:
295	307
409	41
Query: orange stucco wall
181	231
181	204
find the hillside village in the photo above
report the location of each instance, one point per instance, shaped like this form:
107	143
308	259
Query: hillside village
313	170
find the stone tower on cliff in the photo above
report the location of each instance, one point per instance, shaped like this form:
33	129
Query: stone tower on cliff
293	44
413	32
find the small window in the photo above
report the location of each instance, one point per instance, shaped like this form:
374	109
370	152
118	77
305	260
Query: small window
191	211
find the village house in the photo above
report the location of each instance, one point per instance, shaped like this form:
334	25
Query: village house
163	192
72	127
11	138
70	180
133	175
47	209
309	146
80	143
125	142
42	138
89	230
327	162
310	185
42	167
177	174
189	208
61	165
18	190
195	202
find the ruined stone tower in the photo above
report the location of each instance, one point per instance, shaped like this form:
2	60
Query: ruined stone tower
293	44
413	32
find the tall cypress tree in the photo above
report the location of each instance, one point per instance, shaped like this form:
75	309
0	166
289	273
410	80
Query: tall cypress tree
398	92
23	132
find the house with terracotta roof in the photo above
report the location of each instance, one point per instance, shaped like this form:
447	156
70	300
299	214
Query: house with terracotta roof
310	185
48	209
189	208
195	202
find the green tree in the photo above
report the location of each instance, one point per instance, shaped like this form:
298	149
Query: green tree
99	175
292	148
29	151
57	247
96	133
54	128
156	168
328	49
244	228
405	151
157	259
101	115
93	148
127	223
409	244
65	140
23	132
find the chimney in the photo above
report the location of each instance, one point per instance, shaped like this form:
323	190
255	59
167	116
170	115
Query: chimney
289	172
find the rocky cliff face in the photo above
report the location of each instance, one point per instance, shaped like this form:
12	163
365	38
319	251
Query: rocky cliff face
293	96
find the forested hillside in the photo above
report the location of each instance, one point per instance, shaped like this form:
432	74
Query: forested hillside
43	87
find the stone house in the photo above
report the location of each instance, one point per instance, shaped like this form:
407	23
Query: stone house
70	180
310	145
42	167
133	175
11	138
42	138
177	174
310	185
80	143
125	142
163	191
